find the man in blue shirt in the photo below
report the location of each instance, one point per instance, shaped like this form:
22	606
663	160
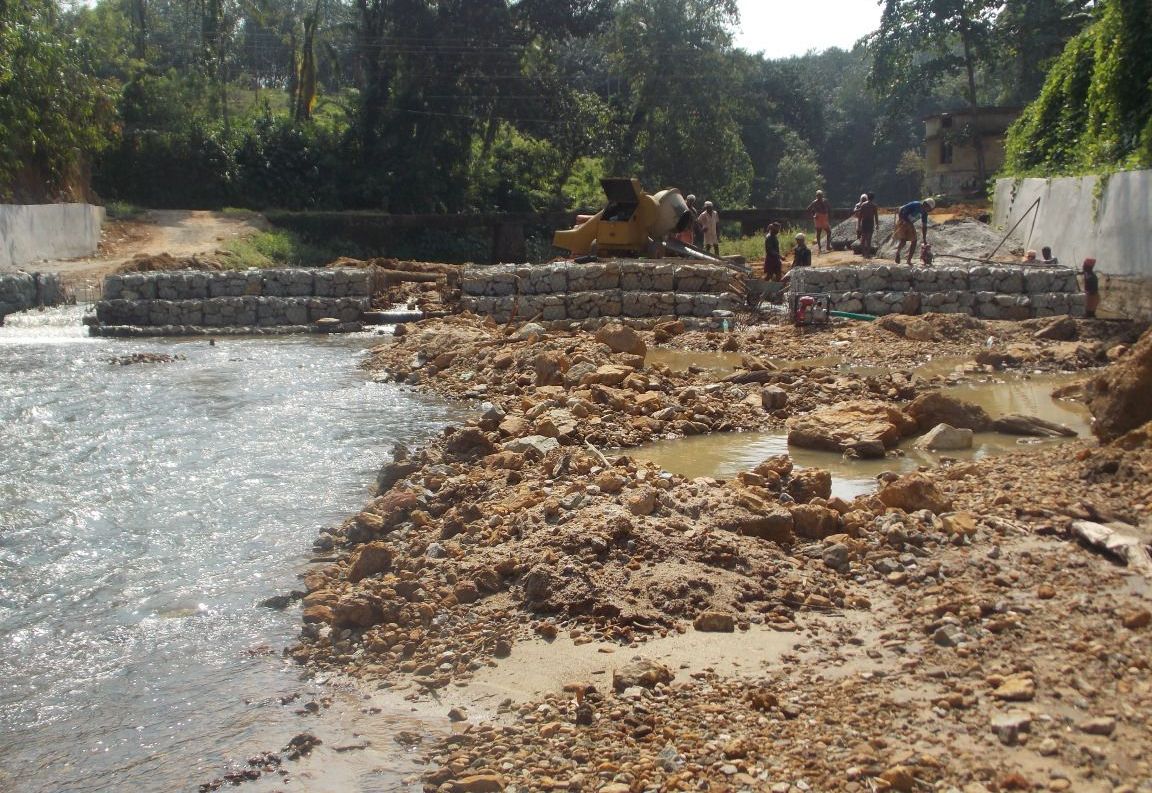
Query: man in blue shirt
906	219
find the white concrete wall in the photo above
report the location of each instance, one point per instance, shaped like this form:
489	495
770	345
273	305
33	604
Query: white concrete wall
32	232
1114	227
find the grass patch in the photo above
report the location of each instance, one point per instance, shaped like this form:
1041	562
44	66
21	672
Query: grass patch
752	248
277	248
122	210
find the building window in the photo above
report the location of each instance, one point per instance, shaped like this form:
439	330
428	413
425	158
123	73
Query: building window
945	152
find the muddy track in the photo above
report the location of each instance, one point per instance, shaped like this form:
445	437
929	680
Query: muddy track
179	232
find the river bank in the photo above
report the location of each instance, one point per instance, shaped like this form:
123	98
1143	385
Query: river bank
940	630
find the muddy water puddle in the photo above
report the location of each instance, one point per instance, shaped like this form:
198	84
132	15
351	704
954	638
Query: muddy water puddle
727	362
723	455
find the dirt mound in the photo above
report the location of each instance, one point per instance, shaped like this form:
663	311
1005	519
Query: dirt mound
163	262
964	237
1118	397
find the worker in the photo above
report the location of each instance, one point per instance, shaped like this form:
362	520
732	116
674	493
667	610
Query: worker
773	264
867	214
906	218
801	253
1091	288
687	236
1049	259
1029	257
710	225
821	212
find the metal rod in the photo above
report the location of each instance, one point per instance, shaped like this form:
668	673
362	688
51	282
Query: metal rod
1027	212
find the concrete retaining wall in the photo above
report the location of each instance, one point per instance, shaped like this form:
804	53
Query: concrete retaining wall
21	291
1078	217
246	299
989	292
31	232
623	288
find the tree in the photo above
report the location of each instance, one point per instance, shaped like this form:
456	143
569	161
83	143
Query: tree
797	174
680	128
919	42
1095	111
1029	34
53	116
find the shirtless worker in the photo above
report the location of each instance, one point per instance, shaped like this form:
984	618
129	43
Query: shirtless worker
867	213
821	212
906	218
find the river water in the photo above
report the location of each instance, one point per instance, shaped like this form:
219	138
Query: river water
145	511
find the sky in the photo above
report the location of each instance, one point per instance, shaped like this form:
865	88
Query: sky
781	28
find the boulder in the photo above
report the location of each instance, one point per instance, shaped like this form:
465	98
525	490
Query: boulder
1016	424
468	443
810	483
1118	397
370	560
621	338
919	330
714	622
816	523
945	438
550	367
913	492
774	525
528	330
864	425
1062	329
609	374
667	330
774	397
537	444
936	407
642	672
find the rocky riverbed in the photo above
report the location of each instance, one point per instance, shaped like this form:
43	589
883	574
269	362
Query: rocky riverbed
944	632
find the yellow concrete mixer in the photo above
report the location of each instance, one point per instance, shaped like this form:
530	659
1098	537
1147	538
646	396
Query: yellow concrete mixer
630	224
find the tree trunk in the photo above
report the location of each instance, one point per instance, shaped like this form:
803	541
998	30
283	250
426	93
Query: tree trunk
970	71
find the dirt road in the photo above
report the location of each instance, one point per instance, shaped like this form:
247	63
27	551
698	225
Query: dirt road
179	232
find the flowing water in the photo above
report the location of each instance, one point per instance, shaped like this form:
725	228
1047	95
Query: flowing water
145	511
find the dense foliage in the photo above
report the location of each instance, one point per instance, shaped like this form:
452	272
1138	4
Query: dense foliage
51	109
1095	110
474	105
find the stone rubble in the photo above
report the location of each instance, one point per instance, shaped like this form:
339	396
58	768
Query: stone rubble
948	634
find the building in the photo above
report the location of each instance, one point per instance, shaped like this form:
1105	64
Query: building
951	164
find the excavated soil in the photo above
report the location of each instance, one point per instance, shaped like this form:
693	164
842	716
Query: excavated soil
945	632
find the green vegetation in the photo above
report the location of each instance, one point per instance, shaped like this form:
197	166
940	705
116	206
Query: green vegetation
513	105
1094	113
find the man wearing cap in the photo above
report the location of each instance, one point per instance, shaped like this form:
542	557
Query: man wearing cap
821	212
867	213
1091	289
710	224
801	254
906	218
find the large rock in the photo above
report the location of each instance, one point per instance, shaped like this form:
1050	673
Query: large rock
1016	424
532	444
550	367
816	523
641	672
936	407
468	443
945	438
370	560
1062	329
913	492
621	338
774	524
866	427
1118	398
